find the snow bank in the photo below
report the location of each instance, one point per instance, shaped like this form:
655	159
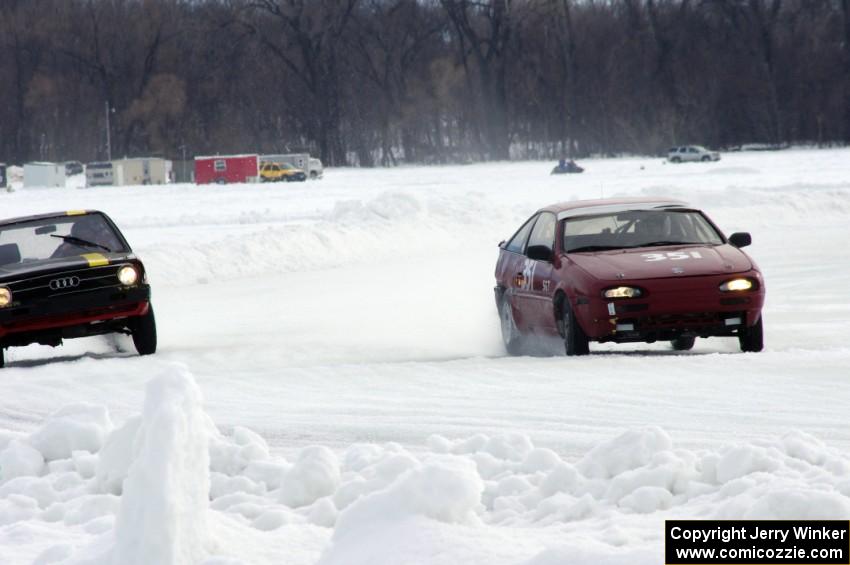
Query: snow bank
393	223
167	487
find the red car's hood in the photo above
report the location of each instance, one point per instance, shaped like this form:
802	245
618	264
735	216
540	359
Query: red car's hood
663	262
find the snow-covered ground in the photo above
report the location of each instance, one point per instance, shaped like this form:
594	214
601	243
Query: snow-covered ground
331	388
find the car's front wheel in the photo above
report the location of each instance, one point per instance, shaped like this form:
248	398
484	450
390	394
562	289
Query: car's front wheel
676	160
706	158
752	338
512	337
144	333
683	343
576	341
2	357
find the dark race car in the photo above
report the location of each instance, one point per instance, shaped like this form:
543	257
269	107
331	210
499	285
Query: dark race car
68	275
627	270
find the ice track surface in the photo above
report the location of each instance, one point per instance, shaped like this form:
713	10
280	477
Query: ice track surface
356	314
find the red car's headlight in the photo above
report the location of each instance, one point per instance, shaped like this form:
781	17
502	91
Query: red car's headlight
738	285
622	292
5	296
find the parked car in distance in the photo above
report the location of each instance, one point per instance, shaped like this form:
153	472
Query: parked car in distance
73	168
67	275
691	153
626	270
317	170
276	172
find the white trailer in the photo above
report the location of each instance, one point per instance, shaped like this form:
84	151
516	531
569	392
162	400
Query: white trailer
99	174
43	175
303	161
145	170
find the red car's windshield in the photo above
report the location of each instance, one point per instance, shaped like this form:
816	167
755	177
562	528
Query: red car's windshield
638	228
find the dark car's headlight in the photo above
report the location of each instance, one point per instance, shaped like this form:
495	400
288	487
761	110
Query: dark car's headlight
5	296
622	292
128	275
738	285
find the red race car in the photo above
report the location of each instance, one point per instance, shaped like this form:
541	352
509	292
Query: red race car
626	270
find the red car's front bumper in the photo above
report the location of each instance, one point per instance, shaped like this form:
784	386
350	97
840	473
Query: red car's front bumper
670	308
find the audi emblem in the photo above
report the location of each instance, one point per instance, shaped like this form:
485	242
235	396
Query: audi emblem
64	282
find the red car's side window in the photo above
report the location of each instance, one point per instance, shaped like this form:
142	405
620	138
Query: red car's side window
544	231
517	242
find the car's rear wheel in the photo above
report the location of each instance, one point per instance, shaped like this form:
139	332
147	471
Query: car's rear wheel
144	333
752	338
683	343
2	357
576	341
511	335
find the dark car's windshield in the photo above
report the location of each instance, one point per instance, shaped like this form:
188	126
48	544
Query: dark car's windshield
638	228
57	237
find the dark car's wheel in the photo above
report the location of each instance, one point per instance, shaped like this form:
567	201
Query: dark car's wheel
511	335
683	343
144	333
2	357
575	340
752	338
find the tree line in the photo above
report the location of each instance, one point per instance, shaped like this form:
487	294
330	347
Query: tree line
382	82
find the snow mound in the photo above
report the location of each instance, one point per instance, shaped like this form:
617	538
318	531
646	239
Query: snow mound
71	428
314	475
165	501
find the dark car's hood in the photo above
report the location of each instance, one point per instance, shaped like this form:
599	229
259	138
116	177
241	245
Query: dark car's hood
30	268
663	262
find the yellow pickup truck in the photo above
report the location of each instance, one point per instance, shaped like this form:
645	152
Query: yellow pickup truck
276	172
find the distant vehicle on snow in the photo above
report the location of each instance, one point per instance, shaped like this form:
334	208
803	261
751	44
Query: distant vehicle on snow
73	168
317	169
565	167
67	275
626	270
311	166
691	153
281	172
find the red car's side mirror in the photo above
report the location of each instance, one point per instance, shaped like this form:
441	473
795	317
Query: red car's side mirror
539	253
740	239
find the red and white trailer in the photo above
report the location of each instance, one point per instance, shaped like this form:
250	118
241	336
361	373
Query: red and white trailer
224	169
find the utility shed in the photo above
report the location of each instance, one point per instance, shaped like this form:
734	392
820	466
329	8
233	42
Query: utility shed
143	170
40	174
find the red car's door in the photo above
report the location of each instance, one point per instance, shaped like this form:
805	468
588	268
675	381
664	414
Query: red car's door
539	256
514	274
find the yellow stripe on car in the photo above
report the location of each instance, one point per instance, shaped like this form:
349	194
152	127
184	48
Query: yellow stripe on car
96	259
75	213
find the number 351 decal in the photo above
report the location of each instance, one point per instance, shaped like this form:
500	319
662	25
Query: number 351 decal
671	255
